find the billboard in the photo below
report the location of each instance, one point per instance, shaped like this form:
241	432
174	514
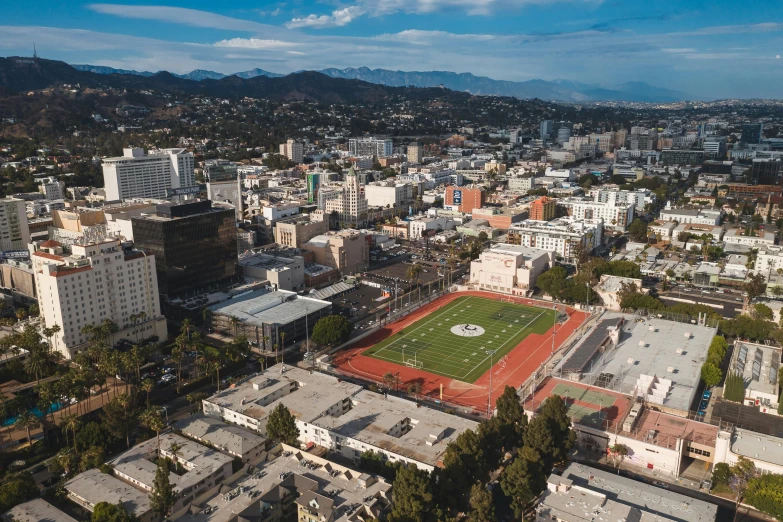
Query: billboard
457	199
15	254
313	181
183	191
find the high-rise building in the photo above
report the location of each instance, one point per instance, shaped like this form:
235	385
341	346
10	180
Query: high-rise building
99	281
464	199
350	203
751	132
153	175
415	153
292	150
14	230
543	209
194	244
545	129
378	147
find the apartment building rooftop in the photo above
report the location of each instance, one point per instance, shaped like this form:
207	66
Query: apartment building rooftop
347	492
232	439
382	421
199	461
93	486
257	396
36	510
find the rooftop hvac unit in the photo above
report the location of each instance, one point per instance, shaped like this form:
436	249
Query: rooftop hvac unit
630	360
679	351
652	328
687	335
670	369
641	343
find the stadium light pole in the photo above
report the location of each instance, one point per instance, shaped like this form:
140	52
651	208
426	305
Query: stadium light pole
489	396
554	327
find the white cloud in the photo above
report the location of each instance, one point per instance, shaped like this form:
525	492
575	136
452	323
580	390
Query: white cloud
338	18
346	15
254	43
296	53
180	15
679	50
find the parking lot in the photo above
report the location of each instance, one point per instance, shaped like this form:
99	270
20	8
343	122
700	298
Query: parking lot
358	302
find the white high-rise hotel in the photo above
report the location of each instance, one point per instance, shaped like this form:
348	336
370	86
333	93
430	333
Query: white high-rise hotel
98	281
350	202
139	175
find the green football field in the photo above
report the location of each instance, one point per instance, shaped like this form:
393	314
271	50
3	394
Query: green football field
453	341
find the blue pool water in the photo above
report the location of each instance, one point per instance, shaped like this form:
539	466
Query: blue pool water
35	411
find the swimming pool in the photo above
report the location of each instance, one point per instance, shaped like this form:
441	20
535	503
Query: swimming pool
35	411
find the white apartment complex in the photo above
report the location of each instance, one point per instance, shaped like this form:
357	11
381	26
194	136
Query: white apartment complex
99	281
616	216
387	193
14	230
340	416
139	175
52	189
292	150
639	198
563	236
378	147
691	216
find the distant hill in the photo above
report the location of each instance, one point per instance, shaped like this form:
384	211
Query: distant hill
559	90
25	74
197	75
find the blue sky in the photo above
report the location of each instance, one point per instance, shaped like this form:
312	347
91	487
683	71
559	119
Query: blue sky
716	48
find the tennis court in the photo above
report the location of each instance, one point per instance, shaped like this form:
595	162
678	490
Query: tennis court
459	339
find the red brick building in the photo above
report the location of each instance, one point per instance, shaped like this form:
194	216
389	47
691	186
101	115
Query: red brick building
465	199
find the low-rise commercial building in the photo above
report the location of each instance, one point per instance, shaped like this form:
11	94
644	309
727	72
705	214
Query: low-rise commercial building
583	492
264	317
756	239
283	273
510	269
297	230
691	216
346	250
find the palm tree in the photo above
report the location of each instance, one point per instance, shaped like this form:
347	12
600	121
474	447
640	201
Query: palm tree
26	421
35	364
282	345
124	400
185	327
175	450
151	419
177	355
73	423
389	379
147	385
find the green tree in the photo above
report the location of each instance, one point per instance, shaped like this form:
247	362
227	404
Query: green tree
105	512
152	419
754	286
93	434
553	281
549	434
413	498
523	480
721	474
765	493
281	426
482	508
92	458
638	230
762	311
162	495
734	388
511	419
711	375
331	330
17	488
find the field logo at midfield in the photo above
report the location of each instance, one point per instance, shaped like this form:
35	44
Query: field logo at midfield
467	330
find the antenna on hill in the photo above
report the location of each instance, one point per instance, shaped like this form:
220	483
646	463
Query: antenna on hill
35	53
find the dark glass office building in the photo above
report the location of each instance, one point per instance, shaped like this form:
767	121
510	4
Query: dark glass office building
194	244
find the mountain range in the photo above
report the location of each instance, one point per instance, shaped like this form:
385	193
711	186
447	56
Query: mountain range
557	90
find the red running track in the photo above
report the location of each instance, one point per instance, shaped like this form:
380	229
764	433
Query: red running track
520	362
